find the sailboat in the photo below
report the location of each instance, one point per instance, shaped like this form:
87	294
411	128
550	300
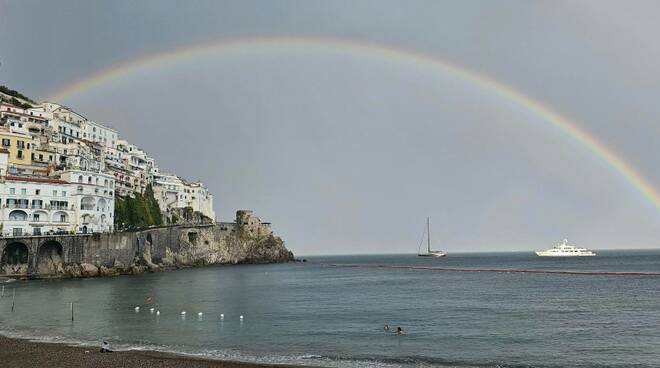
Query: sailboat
429	252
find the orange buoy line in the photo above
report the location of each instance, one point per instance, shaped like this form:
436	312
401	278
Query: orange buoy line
503	270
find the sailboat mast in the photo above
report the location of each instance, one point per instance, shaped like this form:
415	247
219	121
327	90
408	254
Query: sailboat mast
428	234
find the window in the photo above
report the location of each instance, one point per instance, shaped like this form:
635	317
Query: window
19	154
37	191
80	178
89	180
20	144
62	218
54	193
64	193
23	191
12	190
35	217
6	142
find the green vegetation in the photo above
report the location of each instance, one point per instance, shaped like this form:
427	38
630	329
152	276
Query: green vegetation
15	95
20	104
139	211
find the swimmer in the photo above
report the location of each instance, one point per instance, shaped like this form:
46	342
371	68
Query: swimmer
386	327
399	331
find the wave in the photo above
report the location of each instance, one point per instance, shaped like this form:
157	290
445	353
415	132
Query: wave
308	359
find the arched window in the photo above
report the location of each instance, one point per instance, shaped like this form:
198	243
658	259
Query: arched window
87	203
17	216
60	216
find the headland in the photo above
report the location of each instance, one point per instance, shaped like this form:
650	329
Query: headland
247	240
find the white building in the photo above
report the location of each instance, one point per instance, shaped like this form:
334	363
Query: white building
198	197
35	206
66	124
167	189
60	172
95	132
172	192
25	121
94	199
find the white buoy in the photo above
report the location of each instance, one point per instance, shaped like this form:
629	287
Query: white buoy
183	313
241	317
222	316
137	309
151	310
200	314
158	313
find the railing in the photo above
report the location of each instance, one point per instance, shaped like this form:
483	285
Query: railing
17	219
65	208
37	207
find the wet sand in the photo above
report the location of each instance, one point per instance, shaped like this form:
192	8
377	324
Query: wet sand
15	353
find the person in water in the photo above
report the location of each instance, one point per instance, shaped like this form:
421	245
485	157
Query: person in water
105	347
386	327
399	331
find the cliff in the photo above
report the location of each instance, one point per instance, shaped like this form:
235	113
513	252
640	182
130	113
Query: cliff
86	255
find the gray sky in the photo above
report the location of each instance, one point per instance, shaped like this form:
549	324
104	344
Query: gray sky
349	154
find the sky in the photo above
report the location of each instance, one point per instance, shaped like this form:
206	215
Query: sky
350	152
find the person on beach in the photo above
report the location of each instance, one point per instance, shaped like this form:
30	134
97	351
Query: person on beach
105	347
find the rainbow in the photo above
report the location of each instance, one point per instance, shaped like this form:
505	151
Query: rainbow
396	55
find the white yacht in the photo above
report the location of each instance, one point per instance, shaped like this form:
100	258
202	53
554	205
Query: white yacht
429	252
565	250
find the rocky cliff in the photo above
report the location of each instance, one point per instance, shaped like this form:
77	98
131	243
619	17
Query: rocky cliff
247	240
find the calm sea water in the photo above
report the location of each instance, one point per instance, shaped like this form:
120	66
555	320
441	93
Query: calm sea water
317	314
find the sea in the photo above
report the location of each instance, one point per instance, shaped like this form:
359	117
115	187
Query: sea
464	310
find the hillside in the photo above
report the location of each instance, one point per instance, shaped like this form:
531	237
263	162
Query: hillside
15	98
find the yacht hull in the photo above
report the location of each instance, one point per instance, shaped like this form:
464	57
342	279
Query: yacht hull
565	250
433	254
546	254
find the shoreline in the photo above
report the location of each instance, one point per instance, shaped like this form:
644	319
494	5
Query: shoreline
17	352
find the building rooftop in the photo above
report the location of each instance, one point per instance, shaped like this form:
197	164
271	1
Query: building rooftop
35	179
